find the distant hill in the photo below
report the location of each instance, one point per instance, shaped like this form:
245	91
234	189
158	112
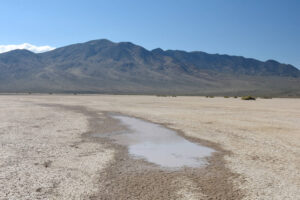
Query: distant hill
102	66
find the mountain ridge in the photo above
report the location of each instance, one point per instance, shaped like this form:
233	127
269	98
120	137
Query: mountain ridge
102	66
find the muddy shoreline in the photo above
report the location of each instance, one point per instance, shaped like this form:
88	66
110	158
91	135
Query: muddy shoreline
129	178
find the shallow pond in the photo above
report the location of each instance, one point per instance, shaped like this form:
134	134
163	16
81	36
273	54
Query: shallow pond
158	145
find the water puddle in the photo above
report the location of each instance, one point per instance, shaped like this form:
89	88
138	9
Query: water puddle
158	144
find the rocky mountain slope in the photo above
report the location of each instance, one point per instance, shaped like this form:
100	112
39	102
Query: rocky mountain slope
102	66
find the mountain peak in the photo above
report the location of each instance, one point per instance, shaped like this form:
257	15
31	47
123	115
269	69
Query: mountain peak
157	50
99	42
19	51
105	66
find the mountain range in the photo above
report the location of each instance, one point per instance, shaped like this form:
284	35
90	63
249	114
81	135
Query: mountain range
102	66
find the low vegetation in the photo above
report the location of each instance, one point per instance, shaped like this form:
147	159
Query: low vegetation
266	97
248	98
166	95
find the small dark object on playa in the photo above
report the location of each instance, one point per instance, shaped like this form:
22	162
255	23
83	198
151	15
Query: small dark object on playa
248	98
47	163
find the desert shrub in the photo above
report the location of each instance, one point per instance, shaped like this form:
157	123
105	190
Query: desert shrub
211	96
248	98
226	96
235	97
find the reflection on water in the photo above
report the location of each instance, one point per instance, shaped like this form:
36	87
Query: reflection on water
158	144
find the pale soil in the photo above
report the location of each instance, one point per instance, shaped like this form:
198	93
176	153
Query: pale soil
42	155
263	137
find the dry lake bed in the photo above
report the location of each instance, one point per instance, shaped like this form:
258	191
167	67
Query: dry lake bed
148	147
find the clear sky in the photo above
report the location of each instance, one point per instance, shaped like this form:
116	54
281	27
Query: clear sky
262	29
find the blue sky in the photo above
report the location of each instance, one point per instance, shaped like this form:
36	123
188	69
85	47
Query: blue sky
262	29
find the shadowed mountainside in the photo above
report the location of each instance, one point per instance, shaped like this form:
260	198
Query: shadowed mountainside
101	66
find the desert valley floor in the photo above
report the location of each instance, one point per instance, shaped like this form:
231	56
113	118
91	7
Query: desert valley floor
48	150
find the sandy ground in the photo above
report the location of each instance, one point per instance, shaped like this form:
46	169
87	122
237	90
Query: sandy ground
45	153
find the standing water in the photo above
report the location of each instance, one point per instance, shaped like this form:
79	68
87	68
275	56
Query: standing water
159	145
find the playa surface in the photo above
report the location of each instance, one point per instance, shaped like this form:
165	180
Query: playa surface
49	149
